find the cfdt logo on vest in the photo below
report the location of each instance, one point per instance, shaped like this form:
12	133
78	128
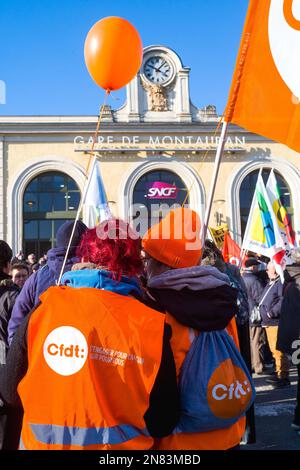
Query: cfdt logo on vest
65	350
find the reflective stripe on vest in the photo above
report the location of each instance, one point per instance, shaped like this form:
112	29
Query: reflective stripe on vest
67	435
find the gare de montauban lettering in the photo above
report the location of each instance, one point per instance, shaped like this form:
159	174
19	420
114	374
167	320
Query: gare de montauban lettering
164	142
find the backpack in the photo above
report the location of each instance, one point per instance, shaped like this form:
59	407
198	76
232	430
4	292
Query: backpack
215	385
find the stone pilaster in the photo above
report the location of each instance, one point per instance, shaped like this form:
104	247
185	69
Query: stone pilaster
133	100
183	110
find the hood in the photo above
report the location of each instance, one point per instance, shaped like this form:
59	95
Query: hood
200	297
55	259
195	278
101	279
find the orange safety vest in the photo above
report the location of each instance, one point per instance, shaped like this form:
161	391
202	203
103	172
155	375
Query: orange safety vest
221	439
93	357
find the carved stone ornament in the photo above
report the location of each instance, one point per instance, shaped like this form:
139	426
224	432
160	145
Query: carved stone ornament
157	97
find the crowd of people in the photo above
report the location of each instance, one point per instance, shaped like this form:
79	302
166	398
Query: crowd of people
103	361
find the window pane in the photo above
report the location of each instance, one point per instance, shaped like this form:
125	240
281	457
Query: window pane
46	182
60	201
30	247
31	229
45	202
73	201
30	202
48	193
158	207
59	183
45	229
33	185
71	184
44	246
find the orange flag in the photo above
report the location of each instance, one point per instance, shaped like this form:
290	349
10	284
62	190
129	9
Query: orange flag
265	91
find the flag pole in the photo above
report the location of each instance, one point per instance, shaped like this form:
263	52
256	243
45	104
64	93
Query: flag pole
219	154
82	201
92	161
243	254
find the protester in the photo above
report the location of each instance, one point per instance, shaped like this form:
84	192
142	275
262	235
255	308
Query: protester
255	283
19	258
19	274
31	260
35	267
117	387
213	256
42	261
289	323
48	275
196	299
270	307
8	294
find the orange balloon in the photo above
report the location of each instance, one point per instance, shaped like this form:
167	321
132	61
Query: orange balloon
113	52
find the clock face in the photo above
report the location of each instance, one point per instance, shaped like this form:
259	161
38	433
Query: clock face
157	70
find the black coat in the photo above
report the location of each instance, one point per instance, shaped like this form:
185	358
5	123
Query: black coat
8	295
255	286
270	307
289	324
9	419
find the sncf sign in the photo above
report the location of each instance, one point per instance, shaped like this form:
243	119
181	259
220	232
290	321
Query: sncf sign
160	190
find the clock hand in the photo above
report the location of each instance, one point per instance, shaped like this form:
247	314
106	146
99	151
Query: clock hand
162	65
157	70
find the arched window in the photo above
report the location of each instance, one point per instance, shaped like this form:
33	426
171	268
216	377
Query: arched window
247	191
49	200
153	196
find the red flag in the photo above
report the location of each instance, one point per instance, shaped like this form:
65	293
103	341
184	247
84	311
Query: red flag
231	251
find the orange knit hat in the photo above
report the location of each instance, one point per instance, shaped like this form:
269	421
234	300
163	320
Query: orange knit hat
175	240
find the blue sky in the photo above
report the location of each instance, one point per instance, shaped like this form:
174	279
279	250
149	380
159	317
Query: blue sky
41	45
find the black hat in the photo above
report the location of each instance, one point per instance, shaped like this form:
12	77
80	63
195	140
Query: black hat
251	262
64	232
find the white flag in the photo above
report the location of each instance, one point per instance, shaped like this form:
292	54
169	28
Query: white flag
96	200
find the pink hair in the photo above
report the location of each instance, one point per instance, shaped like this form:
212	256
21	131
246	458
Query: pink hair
114	246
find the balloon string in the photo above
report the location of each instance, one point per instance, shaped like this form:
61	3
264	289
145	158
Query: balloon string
86	184
91	152
204	158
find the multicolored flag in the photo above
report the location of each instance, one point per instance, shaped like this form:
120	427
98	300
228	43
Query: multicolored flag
265	91
231	251
96	200
262	232
282	216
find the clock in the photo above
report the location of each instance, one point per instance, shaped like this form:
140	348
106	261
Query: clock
158	70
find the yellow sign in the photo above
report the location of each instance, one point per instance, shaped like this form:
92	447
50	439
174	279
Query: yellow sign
218	234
